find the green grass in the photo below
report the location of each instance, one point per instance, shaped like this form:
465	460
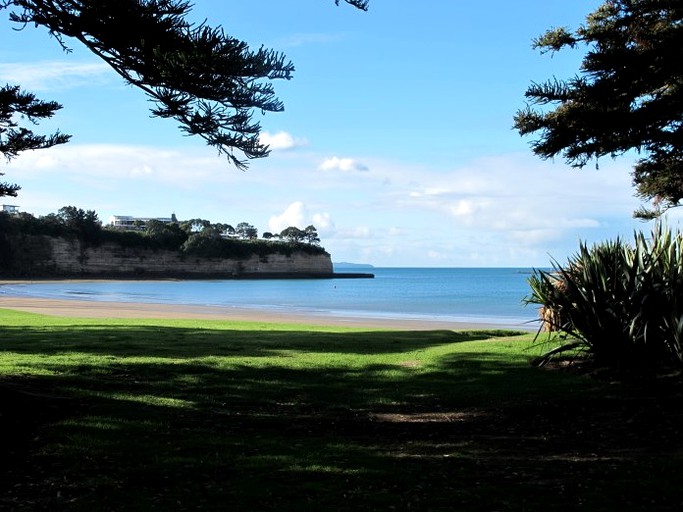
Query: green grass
212	415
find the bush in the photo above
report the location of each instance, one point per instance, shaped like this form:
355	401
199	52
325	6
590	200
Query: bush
621	303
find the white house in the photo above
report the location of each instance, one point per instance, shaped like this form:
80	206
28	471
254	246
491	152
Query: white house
135	223
10	208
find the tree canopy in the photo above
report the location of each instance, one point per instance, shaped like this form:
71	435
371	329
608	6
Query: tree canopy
628	96
196	237
204	79
16	105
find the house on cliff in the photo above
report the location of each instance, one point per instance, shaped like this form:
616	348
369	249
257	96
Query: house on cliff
130	223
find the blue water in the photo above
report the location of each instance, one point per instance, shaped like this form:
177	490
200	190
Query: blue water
488	295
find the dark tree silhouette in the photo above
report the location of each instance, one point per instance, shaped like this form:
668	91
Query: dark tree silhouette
628	96
206	80
16	105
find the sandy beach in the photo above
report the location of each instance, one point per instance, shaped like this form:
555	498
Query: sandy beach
97	309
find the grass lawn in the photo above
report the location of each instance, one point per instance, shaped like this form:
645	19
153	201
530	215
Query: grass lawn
210	415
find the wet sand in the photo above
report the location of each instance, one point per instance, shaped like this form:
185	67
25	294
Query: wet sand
97	309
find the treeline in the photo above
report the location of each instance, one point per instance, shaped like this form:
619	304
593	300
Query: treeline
196	237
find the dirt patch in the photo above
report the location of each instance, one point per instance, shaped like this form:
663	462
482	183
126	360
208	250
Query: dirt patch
410	364
426	417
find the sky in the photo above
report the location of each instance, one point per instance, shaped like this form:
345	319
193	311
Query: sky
396	141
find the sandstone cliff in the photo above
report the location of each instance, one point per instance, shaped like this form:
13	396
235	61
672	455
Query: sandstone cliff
42	256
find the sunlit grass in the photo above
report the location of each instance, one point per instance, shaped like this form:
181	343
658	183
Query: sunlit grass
190	414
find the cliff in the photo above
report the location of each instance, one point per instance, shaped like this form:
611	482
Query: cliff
39	256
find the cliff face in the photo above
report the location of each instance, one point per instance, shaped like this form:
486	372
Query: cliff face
42	256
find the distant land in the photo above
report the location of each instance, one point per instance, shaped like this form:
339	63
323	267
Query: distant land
345	264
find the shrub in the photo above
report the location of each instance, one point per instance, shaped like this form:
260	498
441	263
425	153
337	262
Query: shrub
621	303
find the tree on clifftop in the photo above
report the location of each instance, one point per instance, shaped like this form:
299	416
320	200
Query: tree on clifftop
206	80
311	235
83	223
629	96
294	235
246	231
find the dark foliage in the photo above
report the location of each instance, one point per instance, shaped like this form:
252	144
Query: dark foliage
16	104
205	79
621	303
207	246
197	237
628	96
208	81
85	225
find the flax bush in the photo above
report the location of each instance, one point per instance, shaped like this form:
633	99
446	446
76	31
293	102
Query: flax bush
621	303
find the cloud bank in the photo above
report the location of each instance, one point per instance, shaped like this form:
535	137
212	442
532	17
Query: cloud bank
281	140
50	75
298	215
508	209
343	165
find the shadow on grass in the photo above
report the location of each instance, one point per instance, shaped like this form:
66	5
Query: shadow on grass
468	430
184	342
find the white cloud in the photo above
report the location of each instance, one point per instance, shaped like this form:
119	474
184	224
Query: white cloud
297	214
517	195
397	232
118	162
142	170
281	140
358	232
342	164
50	75
324	224
294	215
466	209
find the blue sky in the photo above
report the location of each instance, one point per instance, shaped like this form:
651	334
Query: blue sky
396	142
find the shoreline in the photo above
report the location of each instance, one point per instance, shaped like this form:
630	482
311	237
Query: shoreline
78	308
185	276
107	309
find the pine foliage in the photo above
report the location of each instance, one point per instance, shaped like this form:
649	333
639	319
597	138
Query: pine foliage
206	80
15	106
628	96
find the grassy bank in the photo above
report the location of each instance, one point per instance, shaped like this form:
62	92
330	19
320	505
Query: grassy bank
203	415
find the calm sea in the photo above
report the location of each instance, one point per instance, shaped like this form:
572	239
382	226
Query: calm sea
488	295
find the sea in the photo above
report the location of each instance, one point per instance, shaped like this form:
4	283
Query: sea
472	295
